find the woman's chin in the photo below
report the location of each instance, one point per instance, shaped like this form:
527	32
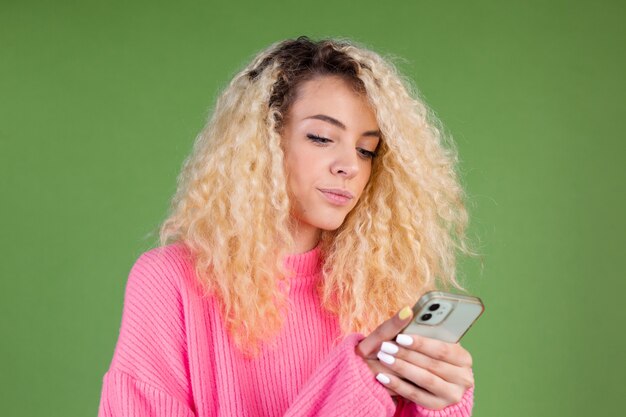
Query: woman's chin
330	226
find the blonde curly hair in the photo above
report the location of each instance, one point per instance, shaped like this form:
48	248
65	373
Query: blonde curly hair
232	209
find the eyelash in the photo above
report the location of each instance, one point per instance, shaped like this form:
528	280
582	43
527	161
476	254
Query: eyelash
317	139
364	153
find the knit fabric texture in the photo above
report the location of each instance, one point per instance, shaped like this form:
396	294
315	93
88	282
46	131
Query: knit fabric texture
174	356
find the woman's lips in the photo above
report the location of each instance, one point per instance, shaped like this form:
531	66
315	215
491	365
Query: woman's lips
337	196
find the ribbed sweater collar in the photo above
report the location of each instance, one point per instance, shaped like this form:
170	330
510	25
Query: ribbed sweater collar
304	264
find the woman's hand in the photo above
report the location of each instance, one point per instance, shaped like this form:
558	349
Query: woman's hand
426	371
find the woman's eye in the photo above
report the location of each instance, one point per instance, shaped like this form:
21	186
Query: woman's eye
366	154
317	139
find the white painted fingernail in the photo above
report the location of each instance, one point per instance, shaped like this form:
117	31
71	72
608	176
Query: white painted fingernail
383	379
386	358
404	340
389	347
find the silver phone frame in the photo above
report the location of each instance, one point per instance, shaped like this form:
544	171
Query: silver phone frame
430	295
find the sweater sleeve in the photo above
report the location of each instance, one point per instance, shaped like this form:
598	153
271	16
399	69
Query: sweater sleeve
343	385
148	375
461	409
123	395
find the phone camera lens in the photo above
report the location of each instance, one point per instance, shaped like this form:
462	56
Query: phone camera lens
433	307
426	317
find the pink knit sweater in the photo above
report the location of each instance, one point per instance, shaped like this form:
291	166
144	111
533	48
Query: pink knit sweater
174	357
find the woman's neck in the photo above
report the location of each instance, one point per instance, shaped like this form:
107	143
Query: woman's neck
305	237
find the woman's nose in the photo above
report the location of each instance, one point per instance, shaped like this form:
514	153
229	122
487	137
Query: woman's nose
346	163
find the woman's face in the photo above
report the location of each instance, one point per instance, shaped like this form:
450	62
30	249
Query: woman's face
329	136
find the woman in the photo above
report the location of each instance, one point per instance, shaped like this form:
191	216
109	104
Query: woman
318	201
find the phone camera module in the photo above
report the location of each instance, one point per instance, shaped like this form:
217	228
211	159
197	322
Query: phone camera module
426	317
433	307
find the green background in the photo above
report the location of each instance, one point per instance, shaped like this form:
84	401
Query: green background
100	103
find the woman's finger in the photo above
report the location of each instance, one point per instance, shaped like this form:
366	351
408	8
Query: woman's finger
423	378
376	367
451	353
386	331
411	392
448	372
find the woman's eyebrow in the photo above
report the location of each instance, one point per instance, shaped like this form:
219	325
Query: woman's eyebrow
340	125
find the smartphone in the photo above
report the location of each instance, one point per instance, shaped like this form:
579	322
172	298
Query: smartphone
444	316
